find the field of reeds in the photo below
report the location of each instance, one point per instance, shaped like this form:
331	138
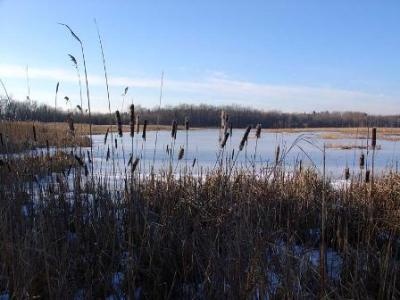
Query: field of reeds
211	237
281	232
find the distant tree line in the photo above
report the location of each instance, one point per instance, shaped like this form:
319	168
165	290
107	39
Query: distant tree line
199	115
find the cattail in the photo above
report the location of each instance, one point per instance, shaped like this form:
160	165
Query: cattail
79	108
300	166
79	160
367	173
137	124
346	173
194	162
244	138
108	153
86	171
34	133
69	170
1	139
89	159
106	135
223	143
144	130
130	159
132	119
233	154
221	130
119	123
277	154
167	149
187	123
116	143
174	128
373	141
134	165
222	119
226	119
181	153
258	131
71	124
362	161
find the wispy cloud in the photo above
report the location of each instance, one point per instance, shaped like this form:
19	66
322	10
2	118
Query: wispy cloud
217	89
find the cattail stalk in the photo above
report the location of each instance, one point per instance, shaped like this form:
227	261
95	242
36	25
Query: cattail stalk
132	120
244	138
119	123
87	90
144	130
373	144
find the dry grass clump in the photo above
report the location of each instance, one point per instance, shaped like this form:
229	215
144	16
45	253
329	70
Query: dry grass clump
189	237
20	136
31	167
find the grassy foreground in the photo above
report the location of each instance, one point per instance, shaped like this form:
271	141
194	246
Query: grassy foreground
209	237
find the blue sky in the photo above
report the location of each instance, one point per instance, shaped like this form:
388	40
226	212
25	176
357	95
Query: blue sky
275	55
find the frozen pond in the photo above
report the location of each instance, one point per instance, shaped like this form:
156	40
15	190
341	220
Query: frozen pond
204	146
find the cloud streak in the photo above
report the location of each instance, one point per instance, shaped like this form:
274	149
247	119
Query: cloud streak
220	90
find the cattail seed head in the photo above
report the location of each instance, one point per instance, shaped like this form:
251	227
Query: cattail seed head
144	130
362	161
134	165
187	123
79	160
116	143
373	141
34	133
106	135
119	123
181	153
108	153
174	129
346	173
244	138
277	154
367	175
226	119
223	143
88	156
71	124
130	159
222	119
194	162
258	131
132	119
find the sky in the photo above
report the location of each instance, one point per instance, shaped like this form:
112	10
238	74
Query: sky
291	56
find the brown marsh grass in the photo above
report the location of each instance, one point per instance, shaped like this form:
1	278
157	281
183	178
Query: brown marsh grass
193	238
20	135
